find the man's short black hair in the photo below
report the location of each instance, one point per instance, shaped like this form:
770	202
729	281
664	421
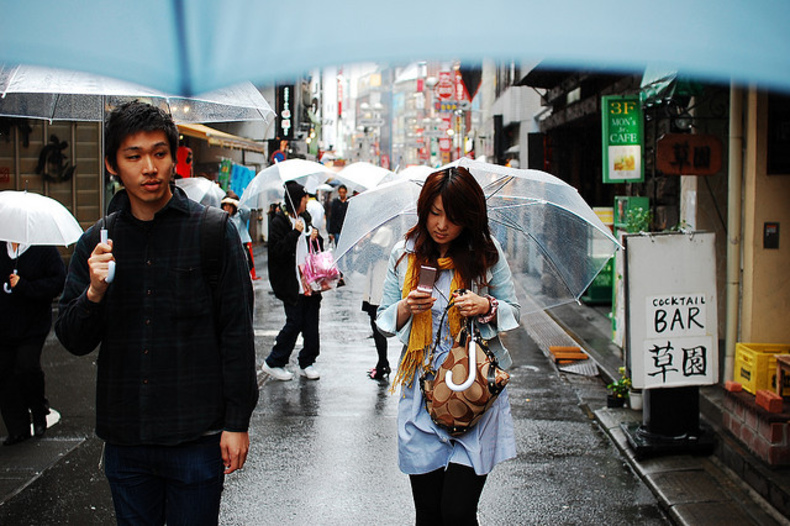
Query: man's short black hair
133	117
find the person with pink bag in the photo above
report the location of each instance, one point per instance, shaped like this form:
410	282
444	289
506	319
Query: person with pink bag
290	231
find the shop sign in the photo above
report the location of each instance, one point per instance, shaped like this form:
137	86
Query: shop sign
622	140
445	88
687	154
285	111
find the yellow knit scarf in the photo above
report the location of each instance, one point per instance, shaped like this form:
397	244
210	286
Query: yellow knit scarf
421	335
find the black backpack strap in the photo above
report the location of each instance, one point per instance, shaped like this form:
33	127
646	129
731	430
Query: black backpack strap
212	246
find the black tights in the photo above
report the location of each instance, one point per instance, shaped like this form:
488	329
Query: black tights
447	496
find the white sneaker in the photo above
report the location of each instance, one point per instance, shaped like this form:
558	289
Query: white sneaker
278	373
310	372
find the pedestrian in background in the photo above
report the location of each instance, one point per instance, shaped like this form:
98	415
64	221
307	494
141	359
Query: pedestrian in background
317	213
34	276
337	214
176	378
371	299
447	473
240	216
290	231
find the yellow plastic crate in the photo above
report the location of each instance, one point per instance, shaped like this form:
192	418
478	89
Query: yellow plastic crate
755	366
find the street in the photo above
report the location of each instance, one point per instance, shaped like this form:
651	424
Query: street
324	452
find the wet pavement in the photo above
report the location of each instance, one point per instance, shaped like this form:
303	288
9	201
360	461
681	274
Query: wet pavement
324	452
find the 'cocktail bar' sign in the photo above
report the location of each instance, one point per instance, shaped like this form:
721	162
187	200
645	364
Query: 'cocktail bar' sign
623	132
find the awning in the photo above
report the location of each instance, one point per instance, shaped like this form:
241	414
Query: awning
660	85
221	138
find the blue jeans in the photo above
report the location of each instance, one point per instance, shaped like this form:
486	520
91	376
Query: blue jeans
178	484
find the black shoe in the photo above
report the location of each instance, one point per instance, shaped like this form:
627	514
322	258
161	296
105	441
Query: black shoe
15	439
379	373
39	425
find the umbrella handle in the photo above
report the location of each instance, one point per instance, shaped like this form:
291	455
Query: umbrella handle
110	264
7	286
448	378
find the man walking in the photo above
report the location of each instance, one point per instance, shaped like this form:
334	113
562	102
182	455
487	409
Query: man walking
176	380
290	231
337	213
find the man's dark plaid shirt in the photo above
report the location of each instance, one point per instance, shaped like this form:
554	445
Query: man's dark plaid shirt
170	368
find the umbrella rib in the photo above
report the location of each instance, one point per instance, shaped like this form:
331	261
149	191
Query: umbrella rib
186	85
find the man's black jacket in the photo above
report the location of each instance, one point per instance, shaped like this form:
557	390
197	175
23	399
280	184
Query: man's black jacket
173	365
282	242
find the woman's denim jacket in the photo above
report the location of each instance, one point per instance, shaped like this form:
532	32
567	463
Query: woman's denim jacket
500	286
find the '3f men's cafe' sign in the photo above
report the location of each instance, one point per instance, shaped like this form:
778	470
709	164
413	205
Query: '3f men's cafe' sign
623	131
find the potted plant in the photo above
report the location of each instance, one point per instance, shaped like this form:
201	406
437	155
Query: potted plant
618	390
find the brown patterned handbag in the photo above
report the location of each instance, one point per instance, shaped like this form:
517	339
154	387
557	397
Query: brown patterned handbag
458	407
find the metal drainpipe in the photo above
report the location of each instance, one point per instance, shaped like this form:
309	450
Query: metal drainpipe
734	205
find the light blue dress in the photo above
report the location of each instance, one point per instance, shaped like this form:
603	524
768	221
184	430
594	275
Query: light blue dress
422	445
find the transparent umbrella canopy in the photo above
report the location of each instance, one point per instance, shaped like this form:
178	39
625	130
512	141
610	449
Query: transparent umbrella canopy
57	94
554	243
361	176
268	185
202	190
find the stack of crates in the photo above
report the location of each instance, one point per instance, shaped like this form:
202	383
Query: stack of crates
755	366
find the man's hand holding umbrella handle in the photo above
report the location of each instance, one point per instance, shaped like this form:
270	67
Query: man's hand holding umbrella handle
99	267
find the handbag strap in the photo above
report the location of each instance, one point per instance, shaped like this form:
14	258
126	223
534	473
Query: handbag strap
450	303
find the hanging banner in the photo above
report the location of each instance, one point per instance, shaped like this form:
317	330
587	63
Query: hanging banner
623	132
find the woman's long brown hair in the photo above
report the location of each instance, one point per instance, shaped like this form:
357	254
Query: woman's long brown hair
473	251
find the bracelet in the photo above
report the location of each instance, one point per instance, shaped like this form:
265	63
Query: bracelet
491	314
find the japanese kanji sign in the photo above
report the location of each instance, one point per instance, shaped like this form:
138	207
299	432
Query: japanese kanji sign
688	154
623	128
671	310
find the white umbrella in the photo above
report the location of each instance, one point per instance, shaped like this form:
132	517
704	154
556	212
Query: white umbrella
34	219
269	184
202	190
57	94
361	176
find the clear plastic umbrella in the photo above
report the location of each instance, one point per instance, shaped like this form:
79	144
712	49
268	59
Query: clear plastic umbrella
202	190
57	94
361	176
415	173
268	186
554	242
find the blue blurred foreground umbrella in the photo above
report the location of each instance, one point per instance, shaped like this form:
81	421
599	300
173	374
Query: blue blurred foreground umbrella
194	46
554	242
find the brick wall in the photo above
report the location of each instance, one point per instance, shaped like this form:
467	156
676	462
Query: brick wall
764	434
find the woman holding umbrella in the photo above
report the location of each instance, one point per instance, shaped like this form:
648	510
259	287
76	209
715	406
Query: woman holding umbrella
34	276
447	473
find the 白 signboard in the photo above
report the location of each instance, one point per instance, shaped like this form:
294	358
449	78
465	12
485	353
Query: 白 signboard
672	327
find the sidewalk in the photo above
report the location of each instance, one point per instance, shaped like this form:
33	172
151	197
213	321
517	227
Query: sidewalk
694	490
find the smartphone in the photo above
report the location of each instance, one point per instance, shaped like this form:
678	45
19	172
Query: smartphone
427	277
